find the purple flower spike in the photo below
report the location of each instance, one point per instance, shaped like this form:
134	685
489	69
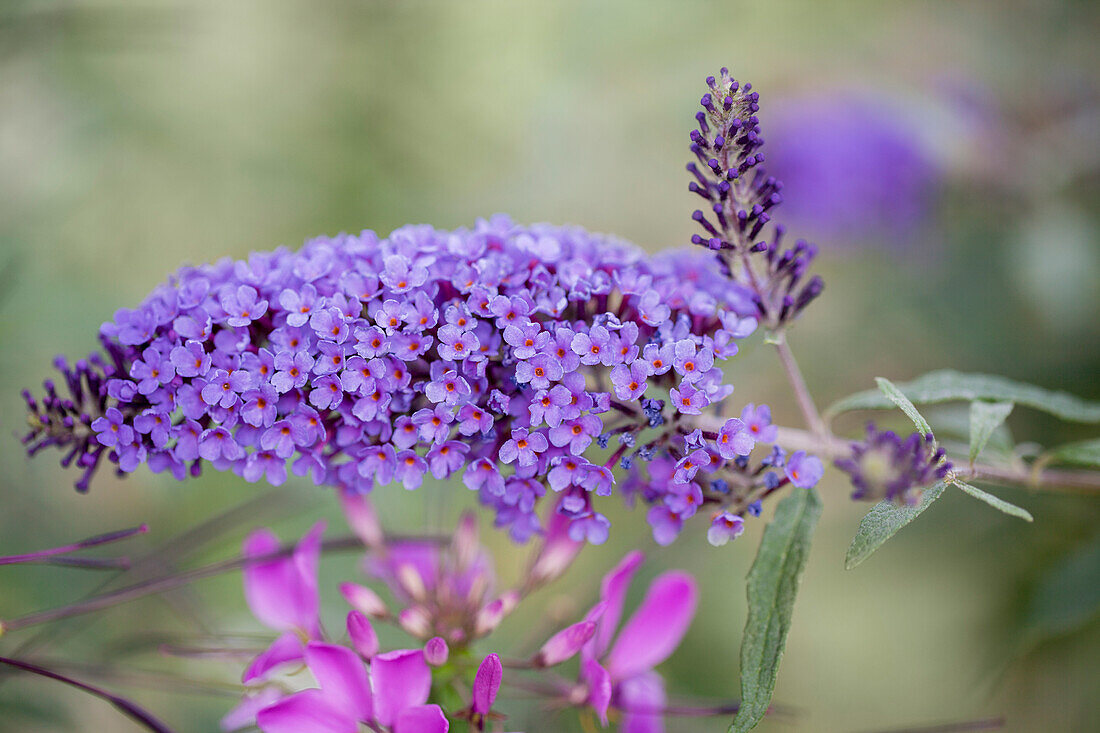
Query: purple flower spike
740	197
362	360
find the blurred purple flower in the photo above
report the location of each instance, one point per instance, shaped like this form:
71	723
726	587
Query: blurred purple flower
854	166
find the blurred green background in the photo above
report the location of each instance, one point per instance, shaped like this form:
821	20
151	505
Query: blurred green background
136	136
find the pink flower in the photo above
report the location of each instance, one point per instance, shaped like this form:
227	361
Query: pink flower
282	592
394	694
625	673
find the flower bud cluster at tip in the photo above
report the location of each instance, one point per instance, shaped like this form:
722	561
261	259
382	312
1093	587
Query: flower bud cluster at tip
739	197
886	466
64	419
512	355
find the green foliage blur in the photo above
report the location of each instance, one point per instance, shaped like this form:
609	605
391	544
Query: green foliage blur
137	136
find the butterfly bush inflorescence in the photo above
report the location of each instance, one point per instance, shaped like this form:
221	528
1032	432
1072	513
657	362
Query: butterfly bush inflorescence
528	359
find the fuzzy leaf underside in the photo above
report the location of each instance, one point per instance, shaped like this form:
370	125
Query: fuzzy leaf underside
883	522
772	587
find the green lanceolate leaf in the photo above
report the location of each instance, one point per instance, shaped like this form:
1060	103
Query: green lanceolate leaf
985	417
946	385
883	522
1067	594
896	396
994	501
1085	453
772	586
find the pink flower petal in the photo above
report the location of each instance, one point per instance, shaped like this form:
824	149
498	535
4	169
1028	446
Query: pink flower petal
244	715
401	679
656	628
599	687
613	593
282	592
287	648
487	683
642	699
362	518
343	678
305	712
421	719
564	644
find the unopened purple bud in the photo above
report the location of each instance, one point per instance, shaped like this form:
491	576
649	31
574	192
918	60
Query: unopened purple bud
487	684
436	651
362	635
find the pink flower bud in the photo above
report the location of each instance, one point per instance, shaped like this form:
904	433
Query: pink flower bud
465	545
411	582
436	651
486	684
489	617
362	635
365	600
362	519
416	621
510	599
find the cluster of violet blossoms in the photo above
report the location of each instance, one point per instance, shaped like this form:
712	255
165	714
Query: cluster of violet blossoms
530	360
884	466
445	587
